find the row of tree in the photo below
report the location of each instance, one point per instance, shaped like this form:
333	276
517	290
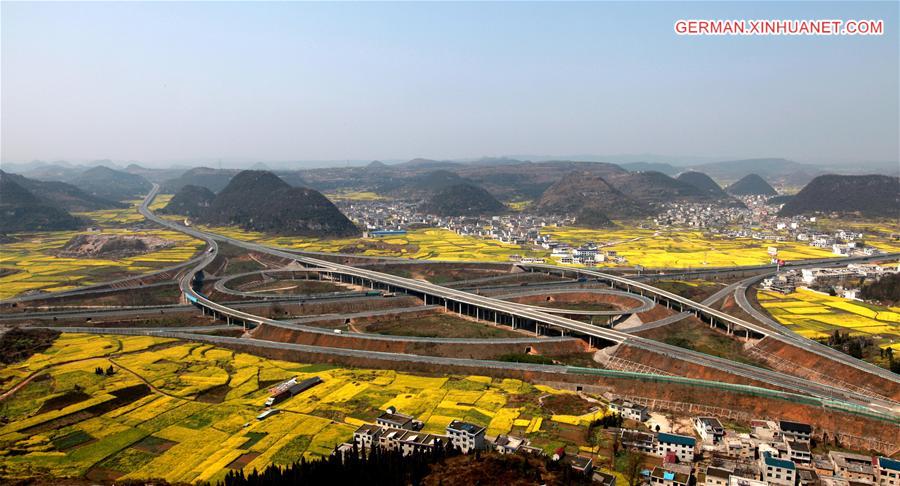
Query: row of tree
885	290
373	466
376	467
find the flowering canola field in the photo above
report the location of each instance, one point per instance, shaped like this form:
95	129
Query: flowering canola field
32	263
817	315
189	409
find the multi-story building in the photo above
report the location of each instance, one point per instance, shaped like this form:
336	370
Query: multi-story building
739	448
639	441
709	428
670	475
887	471
852	467
798	451
629	409
717	476
465	436
391	418
412	442
680	445
508	444
795	431
777	471
391	439
736	480
582	464
366	435
765	430
807	477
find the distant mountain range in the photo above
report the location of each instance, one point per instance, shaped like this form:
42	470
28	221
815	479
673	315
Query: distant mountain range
21	210
867	195
636	188
216	179
63	195
111	184
213	179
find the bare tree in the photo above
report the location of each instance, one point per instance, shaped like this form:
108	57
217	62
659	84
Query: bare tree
634	464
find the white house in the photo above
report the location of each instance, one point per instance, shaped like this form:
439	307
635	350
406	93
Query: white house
681	445
629	409
777	471
465	436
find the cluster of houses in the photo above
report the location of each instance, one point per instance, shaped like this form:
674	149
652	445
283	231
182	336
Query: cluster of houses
394	431
588	254
787	281
694	215
771	454
381	218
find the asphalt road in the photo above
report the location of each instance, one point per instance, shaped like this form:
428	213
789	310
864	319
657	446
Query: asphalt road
456	297
653	380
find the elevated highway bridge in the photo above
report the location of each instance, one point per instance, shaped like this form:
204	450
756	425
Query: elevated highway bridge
519	316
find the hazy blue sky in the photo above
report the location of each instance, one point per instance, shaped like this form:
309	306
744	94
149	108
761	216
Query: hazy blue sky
295	81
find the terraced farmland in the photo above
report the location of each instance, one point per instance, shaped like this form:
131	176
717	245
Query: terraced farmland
186	411
816	315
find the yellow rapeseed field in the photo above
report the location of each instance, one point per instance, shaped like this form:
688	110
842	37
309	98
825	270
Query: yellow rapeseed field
32	257
684	248
197	418
816	315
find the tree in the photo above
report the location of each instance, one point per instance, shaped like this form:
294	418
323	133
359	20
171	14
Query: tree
634	464
615	451
657	427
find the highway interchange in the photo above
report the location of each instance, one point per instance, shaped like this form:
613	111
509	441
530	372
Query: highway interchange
490	308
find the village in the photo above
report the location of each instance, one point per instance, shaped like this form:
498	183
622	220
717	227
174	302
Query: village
756	220
765	453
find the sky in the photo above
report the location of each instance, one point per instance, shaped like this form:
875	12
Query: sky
162	82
